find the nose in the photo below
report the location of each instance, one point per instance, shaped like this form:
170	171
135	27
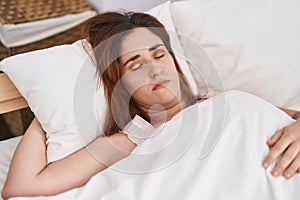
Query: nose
155	70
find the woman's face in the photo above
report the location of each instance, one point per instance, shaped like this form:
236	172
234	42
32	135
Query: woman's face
148	70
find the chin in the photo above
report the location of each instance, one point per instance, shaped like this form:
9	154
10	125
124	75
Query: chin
169	98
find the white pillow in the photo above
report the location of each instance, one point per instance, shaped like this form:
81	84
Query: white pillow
254	46
61	92
46	78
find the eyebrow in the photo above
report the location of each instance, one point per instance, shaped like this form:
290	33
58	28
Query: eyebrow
133	58
155	47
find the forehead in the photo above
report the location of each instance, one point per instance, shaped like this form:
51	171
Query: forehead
137	39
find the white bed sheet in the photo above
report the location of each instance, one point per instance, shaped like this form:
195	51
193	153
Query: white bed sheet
210	164
40	29
7	148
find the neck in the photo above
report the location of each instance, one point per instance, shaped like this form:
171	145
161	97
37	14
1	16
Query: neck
159	114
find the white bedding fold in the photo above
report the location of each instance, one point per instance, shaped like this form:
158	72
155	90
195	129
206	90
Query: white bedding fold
212	150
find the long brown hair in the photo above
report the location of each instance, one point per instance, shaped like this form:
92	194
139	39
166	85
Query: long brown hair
105	33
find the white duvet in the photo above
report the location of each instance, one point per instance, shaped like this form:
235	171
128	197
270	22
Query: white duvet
212	150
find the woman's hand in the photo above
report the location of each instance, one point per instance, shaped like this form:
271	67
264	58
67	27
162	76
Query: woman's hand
285	143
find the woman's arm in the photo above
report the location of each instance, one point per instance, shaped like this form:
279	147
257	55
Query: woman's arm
285	143
29	174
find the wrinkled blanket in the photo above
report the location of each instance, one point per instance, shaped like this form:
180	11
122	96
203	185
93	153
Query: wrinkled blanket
212	150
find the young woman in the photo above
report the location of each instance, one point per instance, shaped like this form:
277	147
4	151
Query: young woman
138	70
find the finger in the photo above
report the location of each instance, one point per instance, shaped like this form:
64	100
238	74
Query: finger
293	168
276	150
275	137
287	158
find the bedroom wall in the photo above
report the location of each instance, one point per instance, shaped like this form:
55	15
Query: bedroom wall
132	5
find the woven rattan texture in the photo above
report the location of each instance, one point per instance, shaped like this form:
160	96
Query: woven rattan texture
19	11
66	37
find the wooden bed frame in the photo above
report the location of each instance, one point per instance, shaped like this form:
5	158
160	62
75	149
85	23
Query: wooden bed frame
10	97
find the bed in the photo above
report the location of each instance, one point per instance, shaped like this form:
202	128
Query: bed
221	46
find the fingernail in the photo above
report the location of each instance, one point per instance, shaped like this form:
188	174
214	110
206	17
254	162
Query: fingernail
269	143
275	173
265	164
287	175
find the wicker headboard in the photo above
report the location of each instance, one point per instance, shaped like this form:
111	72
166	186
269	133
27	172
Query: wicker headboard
10	97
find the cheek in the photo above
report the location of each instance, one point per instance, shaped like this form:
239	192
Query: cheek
172	72
134	82
174	86
171	67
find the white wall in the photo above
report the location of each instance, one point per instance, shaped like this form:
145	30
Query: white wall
129	5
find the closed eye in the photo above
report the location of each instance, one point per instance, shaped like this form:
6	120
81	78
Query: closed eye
159	56
136	67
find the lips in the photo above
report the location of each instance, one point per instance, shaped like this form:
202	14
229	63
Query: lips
160	84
